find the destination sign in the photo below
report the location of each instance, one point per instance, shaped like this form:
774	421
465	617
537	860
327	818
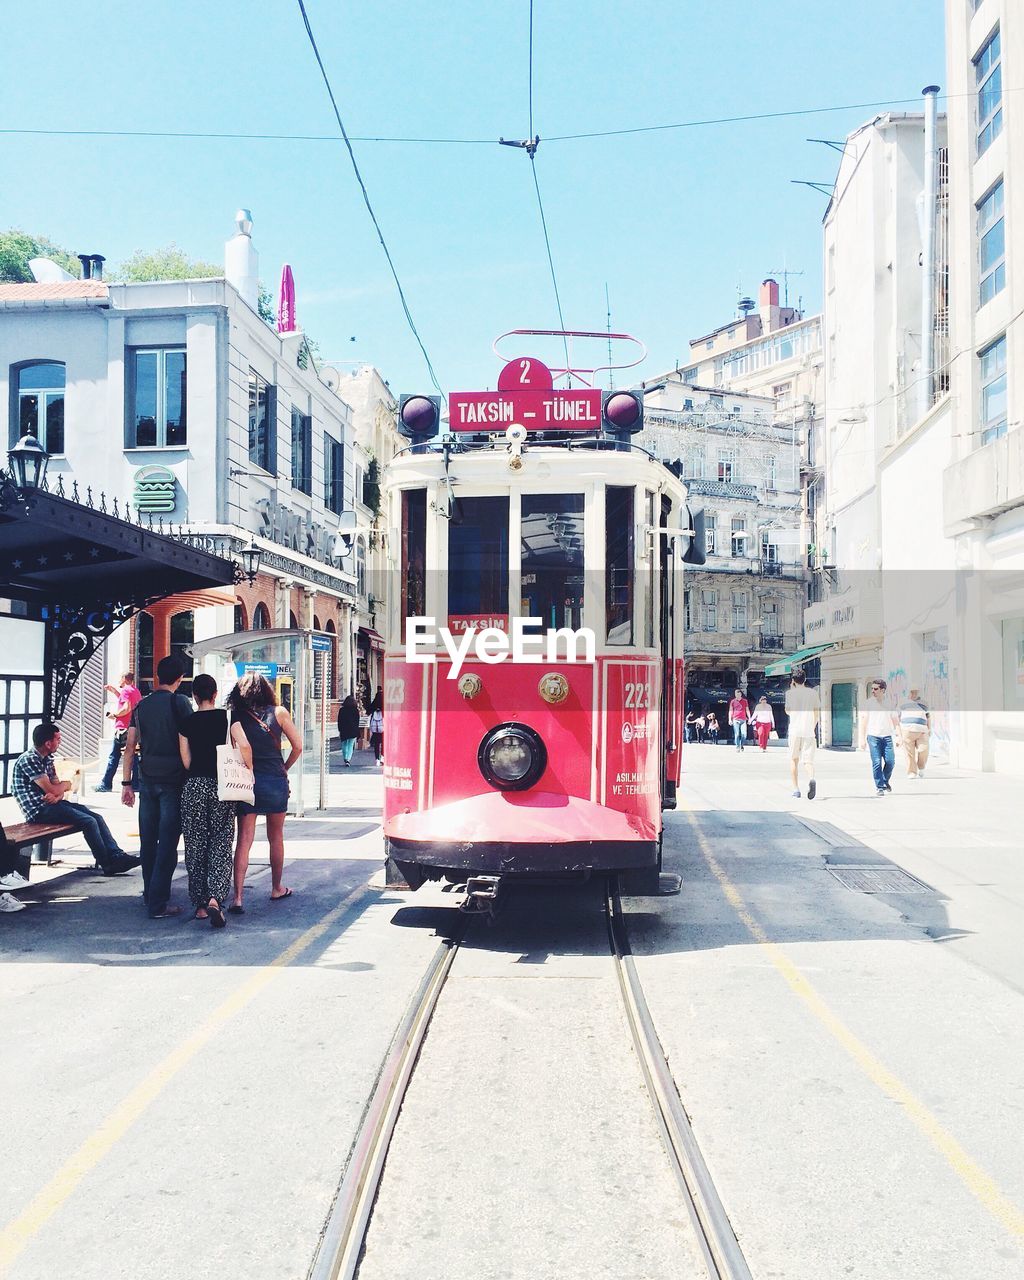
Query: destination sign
526	396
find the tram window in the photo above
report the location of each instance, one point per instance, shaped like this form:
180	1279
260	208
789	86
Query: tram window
652	581
553	558
414	554
618	560
478	559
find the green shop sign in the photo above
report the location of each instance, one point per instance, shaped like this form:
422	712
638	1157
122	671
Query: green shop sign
155	490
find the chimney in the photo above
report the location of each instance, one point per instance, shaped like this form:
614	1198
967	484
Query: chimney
97	265
769	293
241	261
86	260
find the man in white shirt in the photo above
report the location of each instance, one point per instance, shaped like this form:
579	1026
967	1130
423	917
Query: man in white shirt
877	728
803	708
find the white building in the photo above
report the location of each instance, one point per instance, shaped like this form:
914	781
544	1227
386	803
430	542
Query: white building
176	397
742	468
870	548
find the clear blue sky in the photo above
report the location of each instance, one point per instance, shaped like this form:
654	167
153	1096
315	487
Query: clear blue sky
672	221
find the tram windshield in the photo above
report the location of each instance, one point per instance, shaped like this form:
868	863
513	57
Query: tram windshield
553	558
478	562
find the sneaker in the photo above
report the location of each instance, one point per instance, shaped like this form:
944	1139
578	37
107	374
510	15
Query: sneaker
880	793
7	903
887	787
796	795
15	880
812	787
100	787
119	864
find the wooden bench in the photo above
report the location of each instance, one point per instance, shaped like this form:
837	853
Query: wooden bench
26	835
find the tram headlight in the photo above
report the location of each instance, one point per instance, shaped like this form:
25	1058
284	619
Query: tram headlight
512	757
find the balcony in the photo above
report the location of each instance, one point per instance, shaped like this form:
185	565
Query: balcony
984	483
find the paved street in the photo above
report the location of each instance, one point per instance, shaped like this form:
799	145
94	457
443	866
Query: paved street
850	1061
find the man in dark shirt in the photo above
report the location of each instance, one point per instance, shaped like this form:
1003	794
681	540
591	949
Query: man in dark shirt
41	798
156	723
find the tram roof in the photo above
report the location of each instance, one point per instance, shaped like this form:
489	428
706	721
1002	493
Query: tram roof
488	460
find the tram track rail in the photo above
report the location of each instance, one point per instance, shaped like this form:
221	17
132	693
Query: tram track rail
341	1243
719	1246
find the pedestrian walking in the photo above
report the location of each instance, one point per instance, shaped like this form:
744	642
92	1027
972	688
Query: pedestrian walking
348	728
915	730
208	823
128	698
41	798
803	708
878	723
701	726
712	728
156	724
377	726
690	727
739	715
763	721
257	722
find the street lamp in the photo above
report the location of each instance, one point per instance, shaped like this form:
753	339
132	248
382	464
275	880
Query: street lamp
28	461
251	556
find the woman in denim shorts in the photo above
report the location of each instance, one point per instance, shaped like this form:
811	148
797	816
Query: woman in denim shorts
260	724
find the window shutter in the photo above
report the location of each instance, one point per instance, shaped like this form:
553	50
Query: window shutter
272	430
307	453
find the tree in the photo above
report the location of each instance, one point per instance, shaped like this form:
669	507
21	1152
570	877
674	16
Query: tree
17	247
171	263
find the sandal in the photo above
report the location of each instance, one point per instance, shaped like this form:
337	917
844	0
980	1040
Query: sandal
216	914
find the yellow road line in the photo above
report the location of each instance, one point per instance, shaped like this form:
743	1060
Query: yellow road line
977	1181
17	1234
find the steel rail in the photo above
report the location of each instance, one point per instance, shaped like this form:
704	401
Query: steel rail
341	1243
721	1250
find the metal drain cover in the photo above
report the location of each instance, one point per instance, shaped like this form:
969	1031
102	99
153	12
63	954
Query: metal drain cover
878	879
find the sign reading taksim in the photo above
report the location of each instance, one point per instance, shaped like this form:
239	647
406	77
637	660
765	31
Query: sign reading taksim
154	490
526	396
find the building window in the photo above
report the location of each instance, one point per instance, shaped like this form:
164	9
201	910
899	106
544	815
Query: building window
771	471
993	391
690	375
183	634
769	550
688	608
261	618
334	475
144	648
769	617
262	423
988	76
357	485
710	530
695	462
739	611
709	600
991	244
41	404
240	623
727	469
302	451
361	568
739	536
157	414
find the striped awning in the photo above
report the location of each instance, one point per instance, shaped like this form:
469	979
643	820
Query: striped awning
784	666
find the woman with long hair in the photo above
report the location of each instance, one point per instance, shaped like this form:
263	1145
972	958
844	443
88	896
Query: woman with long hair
208	823
259	724
348	728
377	726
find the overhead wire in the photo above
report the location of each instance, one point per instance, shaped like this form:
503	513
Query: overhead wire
366	201
701	123
531	151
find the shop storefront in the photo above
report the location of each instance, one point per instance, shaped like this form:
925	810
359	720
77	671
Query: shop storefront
849	626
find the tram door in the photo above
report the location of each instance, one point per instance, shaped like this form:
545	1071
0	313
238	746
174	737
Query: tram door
667	644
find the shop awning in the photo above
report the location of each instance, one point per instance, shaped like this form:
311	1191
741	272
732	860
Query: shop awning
370	639
784	666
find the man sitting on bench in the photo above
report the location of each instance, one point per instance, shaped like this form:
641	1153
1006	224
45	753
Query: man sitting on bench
41	797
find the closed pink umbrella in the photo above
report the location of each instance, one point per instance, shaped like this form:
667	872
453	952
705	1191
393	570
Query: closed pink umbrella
286	304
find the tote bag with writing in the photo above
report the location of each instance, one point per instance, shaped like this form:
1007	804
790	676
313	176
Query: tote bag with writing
235	780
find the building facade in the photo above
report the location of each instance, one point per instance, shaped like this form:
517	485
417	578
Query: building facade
744	607
178	399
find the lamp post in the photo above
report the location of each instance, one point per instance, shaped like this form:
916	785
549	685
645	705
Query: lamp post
251	556
28	461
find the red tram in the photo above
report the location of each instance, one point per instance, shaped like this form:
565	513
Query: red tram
505	761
